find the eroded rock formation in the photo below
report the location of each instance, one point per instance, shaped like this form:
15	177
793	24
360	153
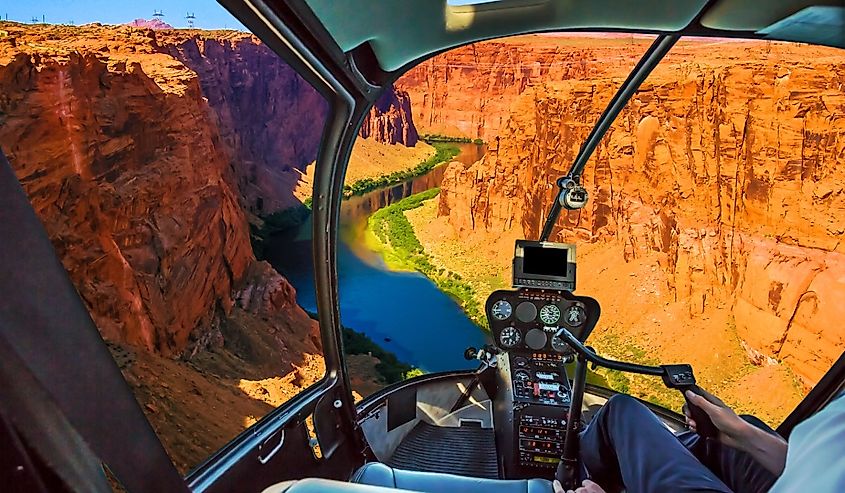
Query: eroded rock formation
124	161
270	118
727	164
467	92
390	120
141	149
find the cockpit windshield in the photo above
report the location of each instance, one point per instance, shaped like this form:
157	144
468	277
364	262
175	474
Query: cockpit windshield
696	221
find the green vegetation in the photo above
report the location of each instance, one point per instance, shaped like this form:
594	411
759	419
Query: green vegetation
645	387
401	246
432	138
443	153
618	381
295	216
389	367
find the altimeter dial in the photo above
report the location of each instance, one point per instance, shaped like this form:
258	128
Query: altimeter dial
549	314
501	310
509	337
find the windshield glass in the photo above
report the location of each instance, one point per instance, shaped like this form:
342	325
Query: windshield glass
711	236
404	311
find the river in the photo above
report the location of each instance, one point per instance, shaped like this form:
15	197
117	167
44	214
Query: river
404	312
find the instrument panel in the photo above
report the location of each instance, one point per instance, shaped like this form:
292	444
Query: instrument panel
527	319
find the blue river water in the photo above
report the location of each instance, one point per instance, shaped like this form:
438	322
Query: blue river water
404	312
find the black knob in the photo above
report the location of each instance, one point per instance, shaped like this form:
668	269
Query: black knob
470	353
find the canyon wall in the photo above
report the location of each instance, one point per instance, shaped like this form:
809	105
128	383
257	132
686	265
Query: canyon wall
467	92
270	118
726	165
125	164
120	162
390	120
143	152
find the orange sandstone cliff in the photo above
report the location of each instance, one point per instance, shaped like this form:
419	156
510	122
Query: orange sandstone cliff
725	169
467	92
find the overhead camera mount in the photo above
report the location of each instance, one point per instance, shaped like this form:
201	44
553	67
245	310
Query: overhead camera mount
572	196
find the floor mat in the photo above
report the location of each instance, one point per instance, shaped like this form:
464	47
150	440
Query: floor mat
466	451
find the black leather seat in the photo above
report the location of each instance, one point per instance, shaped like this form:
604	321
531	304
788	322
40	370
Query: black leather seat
378	474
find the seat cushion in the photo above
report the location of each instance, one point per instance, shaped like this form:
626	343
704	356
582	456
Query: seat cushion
319	485
378	474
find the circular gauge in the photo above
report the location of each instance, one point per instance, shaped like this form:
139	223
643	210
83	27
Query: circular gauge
558	344
549	314
575	316
509	337
501	310
536	339
526	311
520	362
521	376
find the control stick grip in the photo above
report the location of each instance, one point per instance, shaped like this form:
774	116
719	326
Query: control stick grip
703	424
680	377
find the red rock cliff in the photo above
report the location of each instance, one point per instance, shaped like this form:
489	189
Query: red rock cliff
125	164
270	118
390	120
468	91
727	163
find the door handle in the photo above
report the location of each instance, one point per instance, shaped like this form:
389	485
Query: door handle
266	444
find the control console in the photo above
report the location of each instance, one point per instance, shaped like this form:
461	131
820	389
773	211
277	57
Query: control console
531	418
540	439
538	378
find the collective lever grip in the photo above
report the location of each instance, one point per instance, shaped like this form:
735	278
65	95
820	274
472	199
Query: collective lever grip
680	377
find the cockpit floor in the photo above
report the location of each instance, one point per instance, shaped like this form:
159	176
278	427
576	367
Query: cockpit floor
467	451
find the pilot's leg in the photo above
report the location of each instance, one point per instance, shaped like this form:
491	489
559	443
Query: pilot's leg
737	469
626	443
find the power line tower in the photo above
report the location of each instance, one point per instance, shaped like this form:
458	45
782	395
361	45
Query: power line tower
158	14
190	17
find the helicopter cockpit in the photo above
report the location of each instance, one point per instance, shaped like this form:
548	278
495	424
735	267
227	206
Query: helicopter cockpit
76	413
520	415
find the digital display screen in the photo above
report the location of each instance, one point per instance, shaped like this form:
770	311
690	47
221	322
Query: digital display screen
547	460
545	261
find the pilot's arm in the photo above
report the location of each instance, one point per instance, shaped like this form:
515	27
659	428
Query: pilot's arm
766	448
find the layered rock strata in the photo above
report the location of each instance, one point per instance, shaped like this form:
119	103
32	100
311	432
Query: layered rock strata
143	152
467	92
726	164
390	120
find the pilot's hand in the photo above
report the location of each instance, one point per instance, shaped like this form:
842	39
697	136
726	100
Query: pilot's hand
587	487
732	428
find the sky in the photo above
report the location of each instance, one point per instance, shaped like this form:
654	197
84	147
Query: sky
209	14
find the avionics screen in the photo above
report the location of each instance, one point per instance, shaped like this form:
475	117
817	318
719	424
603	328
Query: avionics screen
544	261
547	460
